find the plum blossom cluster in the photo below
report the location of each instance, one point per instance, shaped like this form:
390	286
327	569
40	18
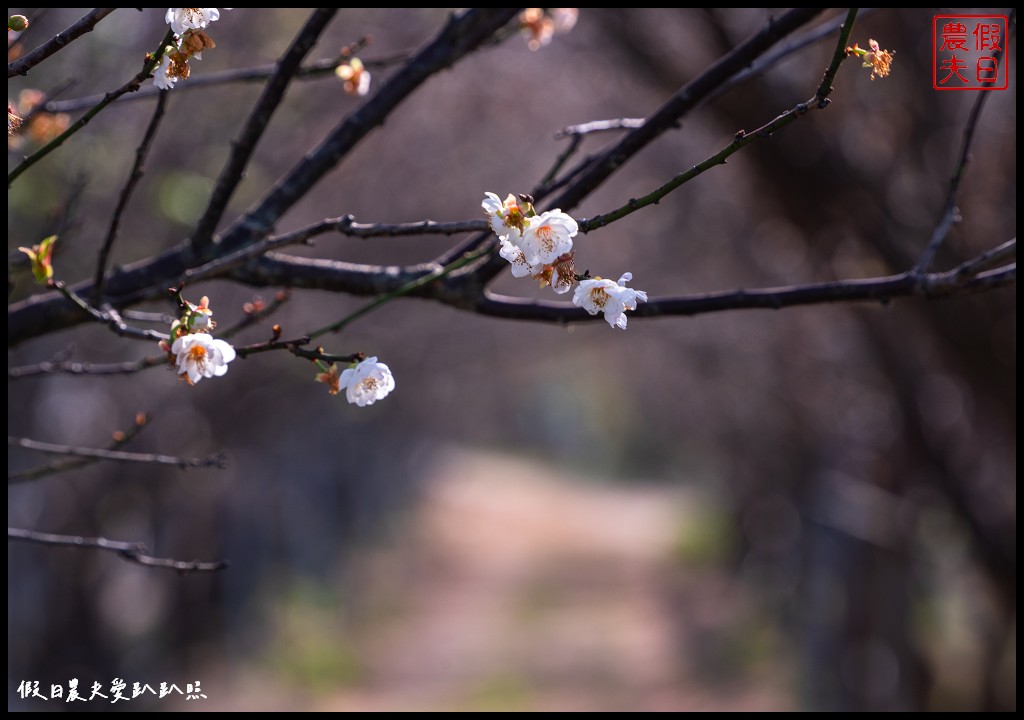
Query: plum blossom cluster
364	383
538	246
541	247
193	352
190	39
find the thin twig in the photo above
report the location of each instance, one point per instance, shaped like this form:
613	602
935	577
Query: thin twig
595	126
120	440
560	161
315	69
138	169
296	346
152	60
741	140
132	552
258	313
242	149
217	460
987	259
26	62
85	368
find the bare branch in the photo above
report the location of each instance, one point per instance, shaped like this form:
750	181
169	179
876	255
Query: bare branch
217	460
133	179
22	65
987	259
51	367
132	552
345	226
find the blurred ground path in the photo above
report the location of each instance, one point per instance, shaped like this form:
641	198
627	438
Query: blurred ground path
514	586
528	590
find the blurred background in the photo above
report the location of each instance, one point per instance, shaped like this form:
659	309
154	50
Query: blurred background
813	508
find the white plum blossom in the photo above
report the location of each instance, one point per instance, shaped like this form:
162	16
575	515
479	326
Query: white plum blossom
367	382
547	237
507	219
511	252
160	77
184	19
198	355
610	297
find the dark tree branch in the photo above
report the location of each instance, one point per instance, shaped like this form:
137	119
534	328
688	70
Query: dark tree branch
741	140
881	290
138	169
786	49
217	460
678	105
243	148
132	552
22	65
464	33
108	316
